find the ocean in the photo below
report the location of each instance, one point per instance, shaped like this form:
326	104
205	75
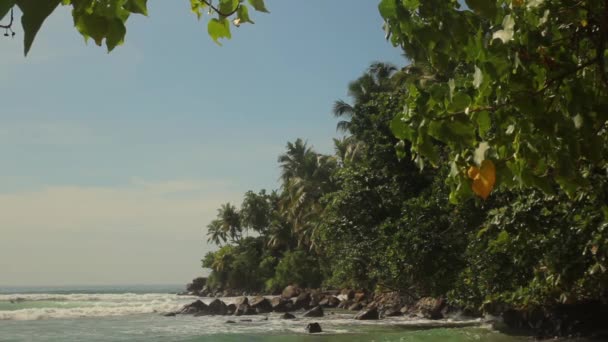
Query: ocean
134	313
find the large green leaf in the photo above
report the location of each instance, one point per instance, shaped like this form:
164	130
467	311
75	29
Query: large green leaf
400	129
228	6
243	14
137	6
388	8
93	26
258	5
116	34
5	7
483	122
34	14
219	28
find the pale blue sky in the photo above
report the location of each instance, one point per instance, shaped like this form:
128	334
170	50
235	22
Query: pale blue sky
112	164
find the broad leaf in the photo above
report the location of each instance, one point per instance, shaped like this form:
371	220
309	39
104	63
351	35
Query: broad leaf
483	178
34	14
5	7
137	6
388	8
258	5
218	28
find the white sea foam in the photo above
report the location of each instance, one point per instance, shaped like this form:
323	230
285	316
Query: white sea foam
90	297
45	306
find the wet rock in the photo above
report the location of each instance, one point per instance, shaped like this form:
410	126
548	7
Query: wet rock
170	314
245	320
231	308
430	307
313	328
368	314
290	292
345	304
230	322
329	302
302	301
241	300
281	304
261	304
287	315
194	308
244	309
317	311
350	294
217	307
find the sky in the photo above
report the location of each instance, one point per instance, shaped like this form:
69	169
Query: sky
113	164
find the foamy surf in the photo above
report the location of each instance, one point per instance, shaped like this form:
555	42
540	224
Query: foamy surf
49	306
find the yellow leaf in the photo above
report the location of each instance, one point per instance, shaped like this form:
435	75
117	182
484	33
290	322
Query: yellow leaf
484	178
584	23
473	172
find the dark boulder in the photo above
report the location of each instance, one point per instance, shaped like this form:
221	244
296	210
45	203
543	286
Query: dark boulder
317	311
368	314
241	300
290	292
350	294
230	322
217	307
244	309
231	308
430	307
302	301
313	328
315	298
329	302
261	304
281	304
287	315
194	308
170	314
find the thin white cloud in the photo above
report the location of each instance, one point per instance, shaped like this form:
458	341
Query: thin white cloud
155	205
143	232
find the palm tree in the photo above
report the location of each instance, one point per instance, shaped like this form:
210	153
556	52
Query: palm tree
348	150
226	226
378	78
215	233
306	177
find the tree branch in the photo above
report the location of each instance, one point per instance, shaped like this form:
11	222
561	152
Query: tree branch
10	24
220	12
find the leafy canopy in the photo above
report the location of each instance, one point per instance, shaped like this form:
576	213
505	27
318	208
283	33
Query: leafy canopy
105	19
521	83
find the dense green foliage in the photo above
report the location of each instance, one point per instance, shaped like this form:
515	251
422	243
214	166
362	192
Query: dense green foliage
367	217
520	82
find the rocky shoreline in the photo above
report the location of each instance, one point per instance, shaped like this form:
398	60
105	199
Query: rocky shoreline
565	320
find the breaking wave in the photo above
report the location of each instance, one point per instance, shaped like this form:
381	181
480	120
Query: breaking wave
47	306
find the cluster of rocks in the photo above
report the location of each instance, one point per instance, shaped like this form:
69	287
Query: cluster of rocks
369	306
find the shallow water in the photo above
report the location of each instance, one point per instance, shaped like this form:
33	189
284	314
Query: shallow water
134	314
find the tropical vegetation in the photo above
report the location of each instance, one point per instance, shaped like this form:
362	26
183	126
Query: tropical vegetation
478	171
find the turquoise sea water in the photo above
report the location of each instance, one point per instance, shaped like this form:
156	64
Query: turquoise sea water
133	313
